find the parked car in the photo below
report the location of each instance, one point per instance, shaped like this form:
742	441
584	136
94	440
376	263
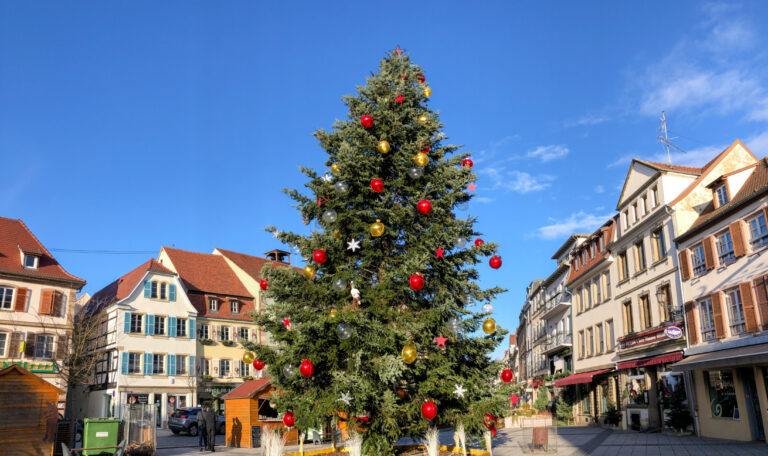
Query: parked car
185	420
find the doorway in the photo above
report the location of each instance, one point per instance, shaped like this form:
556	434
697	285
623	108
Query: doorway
753	404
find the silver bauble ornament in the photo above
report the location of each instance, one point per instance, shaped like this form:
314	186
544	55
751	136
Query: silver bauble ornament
339	285
455	325
460	243
343	331
340	187
330	216
415	172
288	370
487	308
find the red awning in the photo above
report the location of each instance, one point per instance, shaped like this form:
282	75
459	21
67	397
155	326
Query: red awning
650	361
584	377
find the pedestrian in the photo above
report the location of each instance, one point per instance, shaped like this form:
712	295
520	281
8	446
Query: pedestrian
210	424
201	430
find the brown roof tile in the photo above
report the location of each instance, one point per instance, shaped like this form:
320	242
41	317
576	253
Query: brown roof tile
248	389
684	169
121	287
207	273
250	264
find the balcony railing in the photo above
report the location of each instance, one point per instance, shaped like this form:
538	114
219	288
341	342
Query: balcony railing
559	341
649	337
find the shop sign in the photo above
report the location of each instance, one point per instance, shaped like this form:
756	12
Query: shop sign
35	368
673	332
138	398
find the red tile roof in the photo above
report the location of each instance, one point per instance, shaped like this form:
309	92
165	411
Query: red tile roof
250	264
15	235
248	389
122	287
684	169
206	273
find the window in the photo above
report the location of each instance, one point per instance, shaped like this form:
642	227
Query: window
576	263
592	250
6	298
722	395
181	365
639	256
623	266
588	296
706	320
30	261
163	294
153	294
645	311
735	311
602	242
624	220
245	369
3	343
725	248
134	363
224	368
697	257
44	346
629	326
136	323
659	246
758	230
590	341
159	325
158	364
598	291
611	337
213	305
722	196
654	196
634	213
234	307
607	285
243	334
181	327
586	402
600	338
577	297
205	366
664	312
204	332
582	352
224	333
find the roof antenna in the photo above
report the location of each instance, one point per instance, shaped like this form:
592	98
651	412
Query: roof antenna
664	137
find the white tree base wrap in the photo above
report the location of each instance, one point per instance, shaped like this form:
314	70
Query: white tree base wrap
432	441
355	444
461	436
488	443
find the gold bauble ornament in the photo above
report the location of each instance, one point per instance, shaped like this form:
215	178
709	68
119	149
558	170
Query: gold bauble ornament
421	159
489	325
248	357
409	354
401	393
335	168
337	234
427	92
383	146
309	271
333	315
377	228
423	118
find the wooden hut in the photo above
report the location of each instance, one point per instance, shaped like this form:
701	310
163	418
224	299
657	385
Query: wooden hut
249	415
28	413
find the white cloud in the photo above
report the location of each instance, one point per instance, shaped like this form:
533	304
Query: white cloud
599	189
516	181
483	199
758	144
578	222
549	153
587	120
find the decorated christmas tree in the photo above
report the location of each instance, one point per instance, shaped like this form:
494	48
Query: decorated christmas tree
386	328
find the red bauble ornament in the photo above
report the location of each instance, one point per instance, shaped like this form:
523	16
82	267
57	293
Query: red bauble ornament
426	150
258	364
366	121
489	420
307	368
495	262
493	431
289	420
479	242
421	78
424	206
416	282
429	410
263	284
377	185
506	375
319	256
467	162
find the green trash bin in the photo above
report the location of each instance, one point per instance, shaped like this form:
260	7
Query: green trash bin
100	432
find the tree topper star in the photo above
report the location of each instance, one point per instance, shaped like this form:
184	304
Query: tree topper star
439	252
440	341
353	245
459	391
471	187
346	398
397	50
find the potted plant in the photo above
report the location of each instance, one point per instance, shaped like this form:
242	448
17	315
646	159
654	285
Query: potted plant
206	341
228	343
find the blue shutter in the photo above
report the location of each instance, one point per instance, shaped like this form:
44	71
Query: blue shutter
192	367
124	368
171	365
147	289
172	292
150	327
191	328
171	326
147	363
127	327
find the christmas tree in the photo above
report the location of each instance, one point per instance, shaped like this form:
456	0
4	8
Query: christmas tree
382	328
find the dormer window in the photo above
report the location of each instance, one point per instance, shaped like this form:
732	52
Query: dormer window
31	261
721	194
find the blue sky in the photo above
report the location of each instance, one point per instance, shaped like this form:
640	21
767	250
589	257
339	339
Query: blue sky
131	125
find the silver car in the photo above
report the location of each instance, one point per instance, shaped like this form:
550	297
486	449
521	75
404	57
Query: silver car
185	420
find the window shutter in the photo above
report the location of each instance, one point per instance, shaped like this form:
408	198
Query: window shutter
717	313
124	367
172	292
14	348
709	252
147	289
61	346
171	326
690	321
216	368
57	301
761	293
20	303
192	367
171	365
191	328
737	236
46	302
748	304
29	349
685	264
127	323
149	328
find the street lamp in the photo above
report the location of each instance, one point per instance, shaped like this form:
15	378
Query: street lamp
661	296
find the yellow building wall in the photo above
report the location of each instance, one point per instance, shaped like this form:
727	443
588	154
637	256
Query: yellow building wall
251	285
217	350
722	428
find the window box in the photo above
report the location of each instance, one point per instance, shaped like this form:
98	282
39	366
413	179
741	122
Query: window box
207	341
207	377
228	343
247	377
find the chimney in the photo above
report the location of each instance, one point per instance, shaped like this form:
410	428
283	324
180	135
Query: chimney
512	339
280	256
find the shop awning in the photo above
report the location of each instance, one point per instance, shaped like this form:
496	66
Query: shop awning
583	377
651	360
732	357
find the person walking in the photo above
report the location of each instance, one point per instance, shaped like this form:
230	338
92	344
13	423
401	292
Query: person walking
202	430
210	424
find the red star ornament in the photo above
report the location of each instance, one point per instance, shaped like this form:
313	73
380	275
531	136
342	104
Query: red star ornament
397	50
440	341
471	187
399	98
515	399
439	252
287	323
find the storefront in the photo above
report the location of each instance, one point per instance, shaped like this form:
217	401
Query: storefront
594	392
165	402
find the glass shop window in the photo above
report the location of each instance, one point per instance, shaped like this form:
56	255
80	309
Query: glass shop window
722	395
636	390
